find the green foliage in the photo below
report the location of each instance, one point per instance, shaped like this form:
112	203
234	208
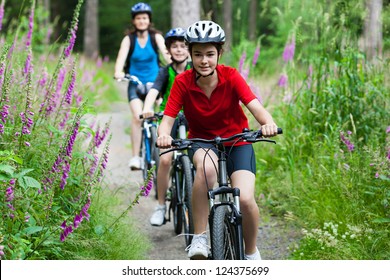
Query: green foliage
53	155
332	164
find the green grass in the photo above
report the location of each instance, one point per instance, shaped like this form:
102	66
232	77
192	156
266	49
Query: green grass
99	240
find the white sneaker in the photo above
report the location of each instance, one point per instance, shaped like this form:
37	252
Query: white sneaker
254	256
198	249
158	217
135	163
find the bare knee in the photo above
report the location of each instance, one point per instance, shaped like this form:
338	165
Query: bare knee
206	175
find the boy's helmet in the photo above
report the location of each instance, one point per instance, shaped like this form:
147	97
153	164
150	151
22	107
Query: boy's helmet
140	8
205	31
175	34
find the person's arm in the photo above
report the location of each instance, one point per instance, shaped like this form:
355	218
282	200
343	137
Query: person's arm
121	58
164	138
263	117
148	110
161	46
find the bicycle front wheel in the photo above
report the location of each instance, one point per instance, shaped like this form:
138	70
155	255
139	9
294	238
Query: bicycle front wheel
225	243
155	156
186	188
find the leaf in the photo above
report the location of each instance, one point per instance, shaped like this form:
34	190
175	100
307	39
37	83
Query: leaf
4	177
32	230
29	182
381	220
8	169
23	172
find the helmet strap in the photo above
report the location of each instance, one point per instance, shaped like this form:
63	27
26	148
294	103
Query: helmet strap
201	76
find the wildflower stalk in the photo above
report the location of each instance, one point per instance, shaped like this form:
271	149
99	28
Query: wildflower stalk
1	13
144	191
65	54
26	115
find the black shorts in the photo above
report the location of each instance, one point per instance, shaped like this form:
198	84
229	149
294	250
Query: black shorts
135	91
238	157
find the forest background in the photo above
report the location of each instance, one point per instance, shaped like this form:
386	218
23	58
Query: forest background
326	67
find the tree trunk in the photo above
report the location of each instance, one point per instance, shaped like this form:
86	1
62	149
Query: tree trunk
184	12
91	29
252	20
373	29
227	23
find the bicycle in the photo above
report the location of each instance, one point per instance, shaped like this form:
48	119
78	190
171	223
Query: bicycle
182	174
225	218
142	89
149	152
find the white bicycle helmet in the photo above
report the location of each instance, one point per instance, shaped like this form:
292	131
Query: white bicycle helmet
205	31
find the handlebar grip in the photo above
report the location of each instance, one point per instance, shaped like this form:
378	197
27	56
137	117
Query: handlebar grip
175	143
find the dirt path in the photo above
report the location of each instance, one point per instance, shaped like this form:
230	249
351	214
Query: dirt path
273	238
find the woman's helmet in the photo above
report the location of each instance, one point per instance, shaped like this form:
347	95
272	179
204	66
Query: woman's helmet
140	8
175	34
205	31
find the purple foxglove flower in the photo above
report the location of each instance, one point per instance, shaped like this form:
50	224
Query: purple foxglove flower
289	50
69	92
283	80
30	27
43	80
27	65
72	40
77	220
1	14
256	56
146	189
62	237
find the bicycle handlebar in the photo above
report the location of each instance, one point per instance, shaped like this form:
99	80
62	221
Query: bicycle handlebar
246	136
129	78
157	115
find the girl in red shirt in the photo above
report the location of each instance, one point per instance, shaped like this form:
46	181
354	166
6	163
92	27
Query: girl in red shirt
211	96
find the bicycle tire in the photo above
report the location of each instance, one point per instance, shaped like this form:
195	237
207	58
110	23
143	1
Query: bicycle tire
187	181
176	207
145	164
224	235
155	156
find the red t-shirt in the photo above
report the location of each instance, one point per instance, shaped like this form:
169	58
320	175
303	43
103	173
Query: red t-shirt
221	115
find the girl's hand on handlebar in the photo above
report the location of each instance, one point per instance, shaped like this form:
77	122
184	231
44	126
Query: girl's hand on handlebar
269	130
147	114
164	141
119	75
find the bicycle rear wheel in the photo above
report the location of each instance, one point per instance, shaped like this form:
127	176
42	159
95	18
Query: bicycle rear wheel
225	243
186	186
145	151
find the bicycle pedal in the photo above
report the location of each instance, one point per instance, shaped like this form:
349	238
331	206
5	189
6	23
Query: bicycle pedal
133	168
